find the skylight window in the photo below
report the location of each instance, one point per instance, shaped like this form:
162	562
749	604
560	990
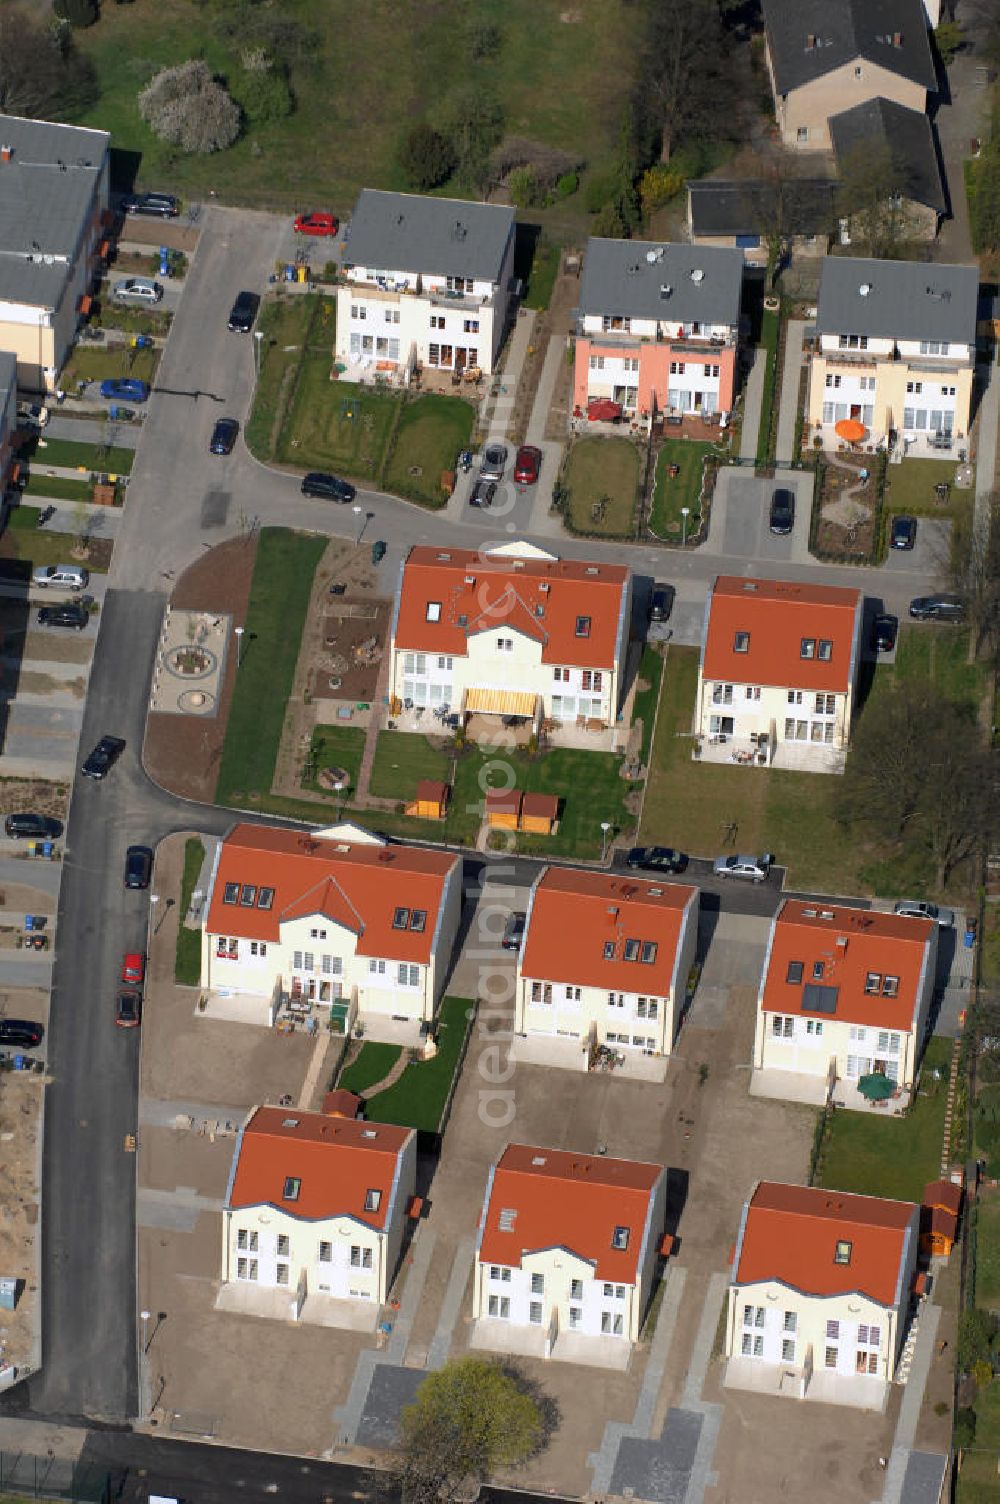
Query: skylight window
648	952
842	1253
265	898
825	650
583	626
619	1238
373	1200
508	1216
292	1188
433	610
231	893
808	648
418	920
248	895
631	950
794	973
609	950
741	642
401	919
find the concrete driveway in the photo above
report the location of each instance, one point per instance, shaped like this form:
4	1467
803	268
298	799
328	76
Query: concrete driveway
739	521
929	554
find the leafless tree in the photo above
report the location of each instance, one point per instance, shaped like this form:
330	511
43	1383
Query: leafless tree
974	574
875	192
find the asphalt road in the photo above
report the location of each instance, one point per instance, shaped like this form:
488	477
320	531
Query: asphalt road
182	500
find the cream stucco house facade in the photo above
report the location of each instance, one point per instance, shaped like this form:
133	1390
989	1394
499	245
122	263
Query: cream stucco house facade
510	630
605	961
54	207
778	673
567	1250
315	1216
845	994
338	919
897	352
426	282
819	1294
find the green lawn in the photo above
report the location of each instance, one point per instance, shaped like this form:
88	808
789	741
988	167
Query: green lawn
288	323
30	547
684	490
402	760
910	486
336	747
542	276
770	328
134	320
115	460
373	1064
940	653
418	1098
432	432
89	364
58	487
335	425
279	597
650	672
876	1155
359	76
602	472
187	962
988	1251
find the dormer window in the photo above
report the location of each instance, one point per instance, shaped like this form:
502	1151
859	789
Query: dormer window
433	610
741	642
807	648
619	1238
291	1189
842	1253
583	626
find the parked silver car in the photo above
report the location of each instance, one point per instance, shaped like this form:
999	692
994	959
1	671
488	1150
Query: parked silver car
910	906
141	292
61	576
493	462
753	868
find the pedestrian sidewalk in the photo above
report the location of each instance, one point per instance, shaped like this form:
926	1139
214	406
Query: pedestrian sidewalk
791	376
753	398
542	520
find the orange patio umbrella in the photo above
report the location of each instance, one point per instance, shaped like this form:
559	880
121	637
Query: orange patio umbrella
851	430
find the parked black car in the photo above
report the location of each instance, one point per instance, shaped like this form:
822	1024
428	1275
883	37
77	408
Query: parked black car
782	515
937	608
328	487
224	436
244	312
656	859
138	867
103	758
884	630
904	532
71	614
483	493
21	1032
160	205
661	602
29	826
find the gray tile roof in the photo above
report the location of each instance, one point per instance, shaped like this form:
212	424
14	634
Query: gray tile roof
747	207
46	191
842	30
905	299
657	280
406	232
905	134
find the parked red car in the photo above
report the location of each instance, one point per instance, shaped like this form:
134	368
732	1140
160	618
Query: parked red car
527	465
317	224
133	966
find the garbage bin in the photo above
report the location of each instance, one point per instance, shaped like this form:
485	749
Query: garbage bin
289	274
47	848
164	261
303	273
970	938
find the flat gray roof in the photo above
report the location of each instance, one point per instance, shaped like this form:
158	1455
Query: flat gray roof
46	191
660	280
407	232
903	299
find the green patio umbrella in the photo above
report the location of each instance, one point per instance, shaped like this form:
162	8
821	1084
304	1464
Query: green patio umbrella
876	1087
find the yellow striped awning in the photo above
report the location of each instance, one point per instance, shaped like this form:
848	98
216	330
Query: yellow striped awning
500	702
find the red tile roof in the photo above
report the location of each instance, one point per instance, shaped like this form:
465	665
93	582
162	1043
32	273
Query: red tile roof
574	913
944	1194
336	1161
540	598
884	944
778	615
544	806
355	885
791	1233
571	1201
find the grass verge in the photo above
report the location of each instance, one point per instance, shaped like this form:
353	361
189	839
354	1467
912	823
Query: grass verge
287	324
418	1098
115	459
373	1064
57	487
646	700
187	961
279	598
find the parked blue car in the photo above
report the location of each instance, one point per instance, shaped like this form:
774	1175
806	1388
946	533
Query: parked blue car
125	389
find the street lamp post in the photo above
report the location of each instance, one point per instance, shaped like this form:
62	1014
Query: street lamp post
358	514
239	645
258	335
605	827
154	899
145	1315
685	514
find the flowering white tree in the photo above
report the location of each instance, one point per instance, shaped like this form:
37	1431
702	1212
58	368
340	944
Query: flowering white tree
189	108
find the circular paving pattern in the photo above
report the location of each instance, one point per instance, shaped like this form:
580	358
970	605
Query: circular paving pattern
191	662
196	702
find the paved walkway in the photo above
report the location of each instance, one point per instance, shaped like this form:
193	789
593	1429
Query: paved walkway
986	443
542	520
753	397
320	1050
510	376
788	410
451	1306
909	1410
